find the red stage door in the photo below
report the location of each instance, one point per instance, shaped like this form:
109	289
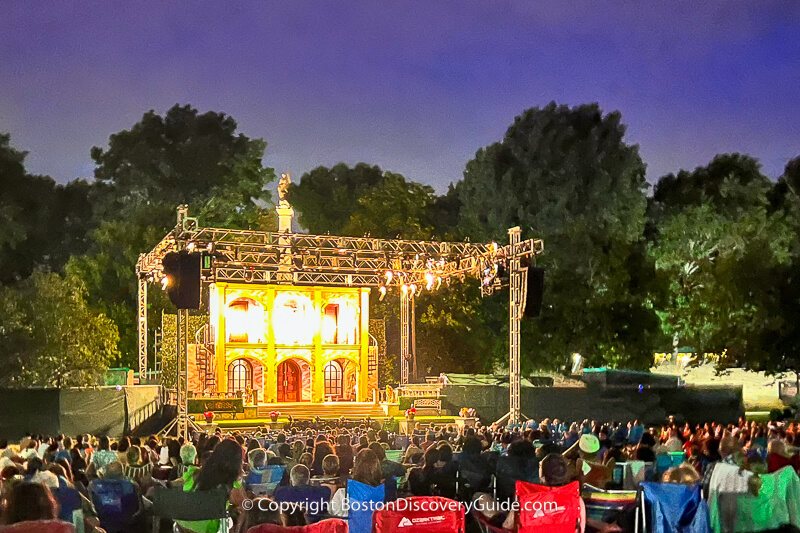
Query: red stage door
288	382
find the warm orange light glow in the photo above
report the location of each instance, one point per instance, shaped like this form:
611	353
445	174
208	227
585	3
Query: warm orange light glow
293	319
245	321
429	279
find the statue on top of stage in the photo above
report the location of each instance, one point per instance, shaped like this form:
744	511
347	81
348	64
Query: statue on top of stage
283	189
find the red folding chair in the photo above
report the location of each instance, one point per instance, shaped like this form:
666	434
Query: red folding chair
331	525
541	510
420	514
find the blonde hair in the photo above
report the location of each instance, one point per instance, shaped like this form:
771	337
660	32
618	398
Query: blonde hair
684	474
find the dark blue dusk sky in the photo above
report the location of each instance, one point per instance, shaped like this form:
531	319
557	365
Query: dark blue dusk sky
415	87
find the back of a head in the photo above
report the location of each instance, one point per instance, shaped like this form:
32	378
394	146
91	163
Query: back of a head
133	455
727	446
284	450
188	454
29	501
445	452
472	446
299	475
223	466
554	470
684	474
257	458
281	438
113	470
521	449
431	457
378	450
367	468
330	465
306	459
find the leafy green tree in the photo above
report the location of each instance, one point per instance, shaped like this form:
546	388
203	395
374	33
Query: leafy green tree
49	337
182	157
726	252
566	175
41	223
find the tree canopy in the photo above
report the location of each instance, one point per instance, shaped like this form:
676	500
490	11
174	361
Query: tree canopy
49	337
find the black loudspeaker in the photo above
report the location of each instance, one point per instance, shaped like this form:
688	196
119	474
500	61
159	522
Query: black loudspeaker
533	300
182	270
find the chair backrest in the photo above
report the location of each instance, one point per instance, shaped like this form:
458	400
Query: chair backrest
275	473
116	502
607	505
69	501
331	525
177	504
420	514
39	526
675	507
362	498
667	461
548	509
394	455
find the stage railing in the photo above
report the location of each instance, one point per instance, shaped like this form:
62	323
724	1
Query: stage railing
421	390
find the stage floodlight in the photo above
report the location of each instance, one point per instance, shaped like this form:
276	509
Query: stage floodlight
182	271
429	279
389	275
413	289
404	288
382	291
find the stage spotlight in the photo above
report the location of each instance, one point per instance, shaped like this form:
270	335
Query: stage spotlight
190	246
429	279
438	282
413	289
210	247
404	288
389	275
164	282
382	290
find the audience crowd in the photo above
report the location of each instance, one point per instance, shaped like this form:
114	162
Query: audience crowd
52	483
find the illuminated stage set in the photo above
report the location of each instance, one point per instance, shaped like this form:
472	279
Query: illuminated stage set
288	313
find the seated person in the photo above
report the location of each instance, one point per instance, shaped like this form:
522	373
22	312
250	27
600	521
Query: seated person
257	461
314	499
519	465
388	468
330	474
587	468
31	508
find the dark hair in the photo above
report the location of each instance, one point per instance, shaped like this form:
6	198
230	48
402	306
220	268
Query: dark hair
445	452
30	501
555	470
367	468
522	449
647	440
223	467
124	444
378	450
472	446
103	444
431	457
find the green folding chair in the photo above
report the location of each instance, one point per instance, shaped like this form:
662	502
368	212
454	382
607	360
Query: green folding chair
176	504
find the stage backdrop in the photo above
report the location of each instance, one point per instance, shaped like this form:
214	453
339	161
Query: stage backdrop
99	411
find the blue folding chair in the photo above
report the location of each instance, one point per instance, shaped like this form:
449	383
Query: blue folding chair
668	507
665	462
117	503
361	496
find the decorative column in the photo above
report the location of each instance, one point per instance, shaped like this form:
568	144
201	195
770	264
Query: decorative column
363	367
220	292
317	363
271	366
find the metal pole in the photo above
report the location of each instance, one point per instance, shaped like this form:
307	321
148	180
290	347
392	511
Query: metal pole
516	302
404	351
414	336
142	327
183	375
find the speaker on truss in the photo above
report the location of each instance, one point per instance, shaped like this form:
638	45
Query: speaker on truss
182	272
533	298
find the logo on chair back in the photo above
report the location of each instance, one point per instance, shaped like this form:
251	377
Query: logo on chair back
405	522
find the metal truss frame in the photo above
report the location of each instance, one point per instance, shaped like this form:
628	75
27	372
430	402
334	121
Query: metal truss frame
246	256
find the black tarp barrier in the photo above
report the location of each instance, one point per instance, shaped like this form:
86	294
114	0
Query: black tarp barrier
28	411
100	411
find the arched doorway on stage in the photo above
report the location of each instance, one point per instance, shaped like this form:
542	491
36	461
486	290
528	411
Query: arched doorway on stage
240	376
333	380
289	382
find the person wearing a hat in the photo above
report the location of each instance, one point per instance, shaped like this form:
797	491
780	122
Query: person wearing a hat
587	468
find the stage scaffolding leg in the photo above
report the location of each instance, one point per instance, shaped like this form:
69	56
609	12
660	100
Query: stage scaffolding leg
142	328
516	305
182	424
405	354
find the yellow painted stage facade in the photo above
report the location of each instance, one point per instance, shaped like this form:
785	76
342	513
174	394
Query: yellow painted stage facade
290	343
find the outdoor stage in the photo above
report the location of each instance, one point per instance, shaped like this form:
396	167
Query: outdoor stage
283	321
